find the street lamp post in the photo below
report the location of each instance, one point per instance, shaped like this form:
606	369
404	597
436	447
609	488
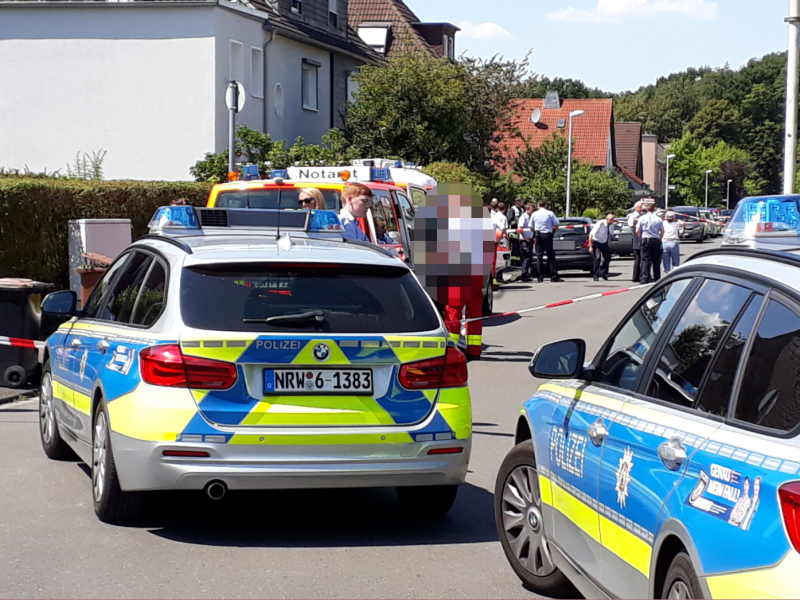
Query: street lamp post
728	195
792	86
708	172
574	113
666	193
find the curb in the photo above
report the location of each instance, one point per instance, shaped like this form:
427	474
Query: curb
23	395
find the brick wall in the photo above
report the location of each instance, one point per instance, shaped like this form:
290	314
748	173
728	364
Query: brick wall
315	14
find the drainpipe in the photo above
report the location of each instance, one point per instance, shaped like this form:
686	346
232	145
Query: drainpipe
267	27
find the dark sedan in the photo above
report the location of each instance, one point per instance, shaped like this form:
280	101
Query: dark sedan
571	245
694	228
622	242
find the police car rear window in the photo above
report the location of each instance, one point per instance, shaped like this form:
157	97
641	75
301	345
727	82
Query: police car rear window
349	299
273	198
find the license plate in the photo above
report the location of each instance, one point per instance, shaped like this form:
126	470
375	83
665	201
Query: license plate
318	381
561	245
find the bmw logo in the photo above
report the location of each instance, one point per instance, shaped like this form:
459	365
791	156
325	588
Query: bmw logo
322	352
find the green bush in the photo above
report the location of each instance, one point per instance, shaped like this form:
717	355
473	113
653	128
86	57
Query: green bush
592	213
34	213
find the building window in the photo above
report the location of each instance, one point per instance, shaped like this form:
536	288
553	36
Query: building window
375	36
352	87
297	7
450	47
256	72
310	88
237	62
333	13
446	46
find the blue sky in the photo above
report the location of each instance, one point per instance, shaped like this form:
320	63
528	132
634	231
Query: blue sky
615	45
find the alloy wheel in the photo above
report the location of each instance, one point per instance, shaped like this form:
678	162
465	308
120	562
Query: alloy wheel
522	521
99	450
47	417
679	590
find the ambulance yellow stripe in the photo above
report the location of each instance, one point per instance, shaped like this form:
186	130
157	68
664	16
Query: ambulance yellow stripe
144	415
781	581
630	548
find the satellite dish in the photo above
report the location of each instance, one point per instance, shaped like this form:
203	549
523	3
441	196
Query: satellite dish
536	116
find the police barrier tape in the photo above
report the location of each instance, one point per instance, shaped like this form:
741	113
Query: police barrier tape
556	304
20	343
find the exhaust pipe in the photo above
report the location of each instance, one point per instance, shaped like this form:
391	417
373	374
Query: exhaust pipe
216	490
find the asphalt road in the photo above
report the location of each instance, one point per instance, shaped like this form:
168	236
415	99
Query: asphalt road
333	544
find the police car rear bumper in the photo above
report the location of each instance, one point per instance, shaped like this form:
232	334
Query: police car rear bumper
142	466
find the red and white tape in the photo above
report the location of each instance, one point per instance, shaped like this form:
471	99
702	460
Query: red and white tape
556	304
20	343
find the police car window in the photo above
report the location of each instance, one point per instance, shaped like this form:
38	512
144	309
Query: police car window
694	342
150	303
350	299
121	296
286	198
97	296
770	390
384	219
628	350
715	394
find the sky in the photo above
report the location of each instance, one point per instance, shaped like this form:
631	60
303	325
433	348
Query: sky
615	45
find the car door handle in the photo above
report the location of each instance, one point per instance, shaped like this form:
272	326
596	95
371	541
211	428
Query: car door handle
103	345
75	343
598	432
672	453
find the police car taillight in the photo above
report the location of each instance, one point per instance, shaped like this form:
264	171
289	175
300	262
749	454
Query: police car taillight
790	507
167	366
445	371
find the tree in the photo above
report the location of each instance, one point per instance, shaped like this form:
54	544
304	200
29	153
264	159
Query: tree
447	172
537	87
717	121
425	110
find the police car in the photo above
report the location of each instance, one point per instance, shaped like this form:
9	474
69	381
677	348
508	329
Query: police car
218	354
669	466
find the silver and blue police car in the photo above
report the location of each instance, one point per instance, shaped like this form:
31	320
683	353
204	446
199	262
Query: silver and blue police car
247	349
669	466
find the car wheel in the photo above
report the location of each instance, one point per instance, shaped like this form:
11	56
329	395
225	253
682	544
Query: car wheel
111	504
701	240
681	581
52	443
518	517
488	301
15	377
426	502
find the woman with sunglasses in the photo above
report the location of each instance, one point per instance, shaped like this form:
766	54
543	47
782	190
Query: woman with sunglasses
311	199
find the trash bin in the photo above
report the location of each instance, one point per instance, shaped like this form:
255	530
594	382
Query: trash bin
20	317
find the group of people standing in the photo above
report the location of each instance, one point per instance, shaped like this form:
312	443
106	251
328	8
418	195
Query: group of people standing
536	228
656	240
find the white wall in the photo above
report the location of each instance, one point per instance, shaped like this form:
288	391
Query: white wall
285	66
133	79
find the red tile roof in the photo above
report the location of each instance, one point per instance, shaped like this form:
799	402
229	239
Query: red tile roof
592	132
633	177
628	139
396	12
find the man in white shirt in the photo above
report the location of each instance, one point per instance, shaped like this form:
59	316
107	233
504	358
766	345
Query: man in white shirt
600	246
545	224
499	221
525	226
633	218
650	229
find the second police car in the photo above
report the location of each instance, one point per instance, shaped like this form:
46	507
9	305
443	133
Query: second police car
669	466
216	355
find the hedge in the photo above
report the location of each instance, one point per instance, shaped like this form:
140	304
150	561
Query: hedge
34	212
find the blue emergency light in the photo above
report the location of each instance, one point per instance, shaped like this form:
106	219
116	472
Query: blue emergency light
324	220
250	172
398	164
768	214
279	174
176	217
376	174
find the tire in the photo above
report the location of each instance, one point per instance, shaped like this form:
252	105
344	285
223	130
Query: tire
701	240
111	504
52	443
488	301
681	580
427	502
519	522
15	377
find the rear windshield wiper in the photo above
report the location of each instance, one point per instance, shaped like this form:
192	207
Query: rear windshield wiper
312	317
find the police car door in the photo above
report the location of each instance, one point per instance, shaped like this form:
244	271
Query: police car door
730	495
619	368
660	429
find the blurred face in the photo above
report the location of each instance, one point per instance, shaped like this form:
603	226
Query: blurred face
307	201
358	206
529	208
610	219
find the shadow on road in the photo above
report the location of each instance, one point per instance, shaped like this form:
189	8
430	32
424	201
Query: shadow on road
499	321
315	518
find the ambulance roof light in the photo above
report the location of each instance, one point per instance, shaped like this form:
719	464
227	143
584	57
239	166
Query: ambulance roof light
379	174
174	217
279	174
250	172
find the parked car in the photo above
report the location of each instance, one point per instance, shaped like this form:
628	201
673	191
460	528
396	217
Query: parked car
694	228
622	242
571	245
712	228
669	466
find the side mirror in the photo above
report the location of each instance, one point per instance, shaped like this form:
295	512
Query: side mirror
57	308
559	360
